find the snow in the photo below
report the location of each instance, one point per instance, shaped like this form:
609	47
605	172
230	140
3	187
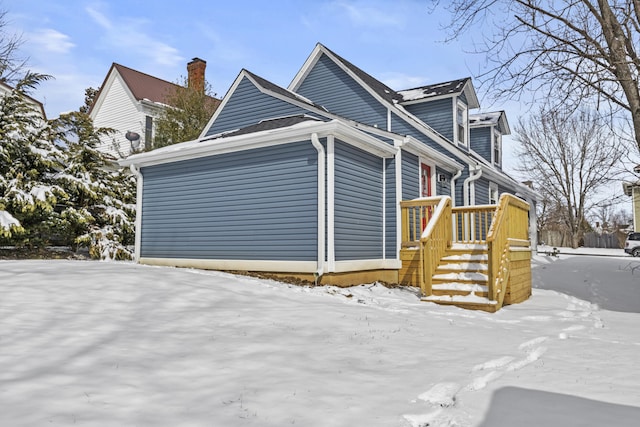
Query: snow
7	220
112	344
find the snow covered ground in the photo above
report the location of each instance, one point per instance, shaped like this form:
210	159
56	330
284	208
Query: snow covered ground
118	344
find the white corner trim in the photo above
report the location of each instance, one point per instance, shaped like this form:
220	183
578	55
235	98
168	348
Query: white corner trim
384	208
331	242
138	221
398	171
321	202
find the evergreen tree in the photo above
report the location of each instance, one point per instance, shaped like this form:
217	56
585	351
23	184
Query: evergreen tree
28	163
100	205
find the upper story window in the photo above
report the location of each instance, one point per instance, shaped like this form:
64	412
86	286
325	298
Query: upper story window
148	131
462	123
497	147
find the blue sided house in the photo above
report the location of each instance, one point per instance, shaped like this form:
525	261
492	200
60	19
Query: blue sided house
340	179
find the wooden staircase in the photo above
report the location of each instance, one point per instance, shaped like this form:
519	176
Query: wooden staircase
471	257
461	278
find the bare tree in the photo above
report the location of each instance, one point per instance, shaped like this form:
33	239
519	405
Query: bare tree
10	62
570	156
571	51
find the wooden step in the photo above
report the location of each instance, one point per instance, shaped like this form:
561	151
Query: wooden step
461	276
458	288
470	302
457	267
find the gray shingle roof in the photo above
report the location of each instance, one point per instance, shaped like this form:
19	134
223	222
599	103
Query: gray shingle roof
269	124
430	91
380	88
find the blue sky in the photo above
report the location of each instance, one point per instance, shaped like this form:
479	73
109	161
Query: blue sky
398	42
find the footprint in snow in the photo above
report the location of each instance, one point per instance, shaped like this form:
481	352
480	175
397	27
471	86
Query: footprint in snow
481	382
441	394
532	356
531	343
493	364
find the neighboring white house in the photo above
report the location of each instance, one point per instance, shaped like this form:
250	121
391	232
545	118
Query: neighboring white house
5	89
130	101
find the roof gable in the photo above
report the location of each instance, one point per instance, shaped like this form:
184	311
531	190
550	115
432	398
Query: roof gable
142	86
4	87
440	90
495	118
245	104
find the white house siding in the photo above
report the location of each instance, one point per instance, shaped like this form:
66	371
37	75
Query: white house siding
121	112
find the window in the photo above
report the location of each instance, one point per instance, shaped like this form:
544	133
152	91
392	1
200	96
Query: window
493	193
461	123
148	131
497	147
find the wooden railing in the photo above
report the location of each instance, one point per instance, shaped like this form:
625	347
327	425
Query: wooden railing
509	227
471	223
426	225
431	226
415	216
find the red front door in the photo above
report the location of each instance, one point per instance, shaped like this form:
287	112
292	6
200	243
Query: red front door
425	180
425	191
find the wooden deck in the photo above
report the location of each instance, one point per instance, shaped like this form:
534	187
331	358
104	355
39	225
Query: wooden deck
476	257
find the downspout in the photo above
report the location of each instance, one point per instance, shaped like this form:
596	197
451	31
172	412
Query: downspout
138	224
468	182
321	204
453	187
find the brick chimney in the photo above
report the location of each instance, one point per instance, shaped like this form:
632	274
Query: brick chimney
195	72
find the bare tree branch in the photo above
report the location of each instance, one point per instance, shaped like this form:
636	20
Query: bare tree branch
570	52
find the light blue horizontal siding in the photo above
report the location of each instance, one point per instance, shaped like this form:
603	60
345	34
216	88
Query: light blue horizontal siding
482	191
358	204
255	205
438	114
410	176
481	141
400	126
328	85
390	209
247	106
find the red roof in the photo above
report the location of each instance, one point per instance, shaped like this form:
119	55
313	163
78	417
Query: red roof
143	86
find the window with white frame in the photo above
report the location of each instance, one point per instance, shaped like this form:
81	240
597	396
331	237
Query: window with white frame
497	147
461	123
494	195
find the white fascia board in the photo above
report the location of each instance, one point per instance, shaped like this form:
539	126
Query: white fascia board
306	67
419	148
429	99
295	133
472	96
153	107
106	89
224	101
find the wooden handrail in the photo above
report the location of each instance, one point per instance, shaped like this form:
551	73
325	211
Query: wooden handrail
509	226
434	242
